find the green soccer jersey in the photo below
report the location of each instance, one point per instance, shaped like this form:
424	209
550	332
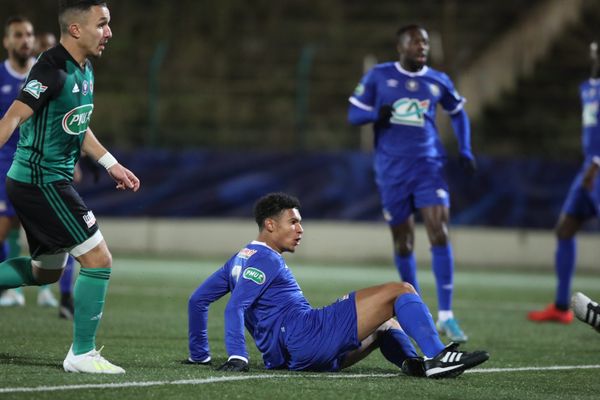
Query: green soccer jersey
61	94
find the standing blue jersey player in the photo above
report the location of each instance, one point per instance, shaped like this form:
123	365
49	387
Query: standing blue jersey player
18	42
401	99
582	202
290	334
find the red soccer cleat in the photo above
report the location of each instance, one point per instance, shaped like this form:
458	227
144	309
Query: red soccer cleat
551	314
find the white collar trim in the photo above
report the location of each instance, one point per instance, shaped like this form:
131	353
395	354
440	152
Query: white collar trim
12	72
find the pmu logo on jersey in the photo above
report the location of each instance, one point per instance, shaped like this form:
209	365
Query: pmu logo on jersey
254	275
409	112
35	88
76	121
590	114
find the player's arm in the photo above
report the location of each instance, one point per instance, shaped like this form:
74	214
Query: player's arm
590	174
212	289
125	178
18	113
362	109
245	293
462	129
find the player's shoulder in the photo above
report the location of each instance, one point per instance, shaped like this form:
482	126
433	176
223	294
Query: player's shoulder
383	68
437	75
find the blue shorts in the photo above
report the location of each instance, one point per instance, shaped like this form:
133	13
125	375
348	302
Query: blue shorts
319	339
408	185
580	203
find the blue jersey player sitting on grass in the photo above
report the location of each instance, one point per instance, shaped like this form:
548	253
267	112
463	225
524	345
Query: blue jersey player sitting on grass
401	98
290	334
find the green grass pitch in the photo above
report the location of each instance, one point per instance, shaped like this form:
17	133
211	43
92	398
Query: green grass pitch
144	329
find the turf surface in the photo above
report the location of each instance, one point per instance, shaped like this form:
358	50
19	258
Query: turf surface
144	330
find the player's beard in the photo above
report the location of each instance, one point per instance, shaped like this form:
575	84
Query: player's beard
21	57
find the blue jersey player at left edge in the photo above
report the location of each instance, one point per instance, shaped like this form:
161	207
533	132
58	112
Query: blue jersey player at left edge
265	298
18	40
401	99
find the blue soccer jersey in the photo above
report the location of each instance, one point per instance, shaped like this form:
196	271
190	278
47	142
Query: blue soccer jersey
590	98
263	293
11	83
414	97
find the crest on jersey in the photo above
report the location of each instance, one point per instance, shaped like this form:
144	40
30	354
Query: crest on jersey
255	275
434	90
360	89
412	85
35	88
76	121
85	86
409	112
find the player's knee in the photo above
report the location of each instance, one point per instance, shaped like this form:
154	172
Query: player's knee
439	236
396	289
50	261
403	248
48	267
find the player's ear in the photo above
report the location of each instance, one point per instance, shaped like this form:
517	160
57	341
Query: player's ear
270	224
75	30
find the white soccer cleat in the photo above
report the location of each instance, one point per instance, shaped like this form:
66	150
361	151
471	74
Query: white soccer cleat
90	363
586	310
12	298
45	298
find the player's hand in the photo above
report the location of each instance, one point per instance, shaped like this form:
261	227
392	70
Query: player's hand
383	116
125	178
234	365
468	164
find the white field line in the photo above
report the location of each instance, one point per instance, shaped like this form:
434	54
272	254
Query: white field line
218	379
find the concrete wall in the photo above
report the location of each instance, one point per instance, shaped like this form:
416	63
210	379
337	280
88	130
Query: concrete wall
342	242
515	52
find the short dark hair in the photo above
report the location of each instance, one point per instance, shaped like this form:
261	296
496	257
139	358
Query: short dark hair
406	28
273	204
15	19
64	6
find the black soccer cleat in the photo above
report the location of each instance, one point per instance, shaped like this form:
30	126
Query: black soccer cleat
414	366
450	363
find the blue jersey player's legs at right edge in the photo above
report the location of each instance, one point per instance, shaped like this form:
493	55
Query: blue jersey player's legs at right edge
401	99
582	203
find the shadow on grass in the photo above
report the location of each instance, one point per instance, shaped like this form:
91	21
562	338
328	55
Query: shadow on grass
8	359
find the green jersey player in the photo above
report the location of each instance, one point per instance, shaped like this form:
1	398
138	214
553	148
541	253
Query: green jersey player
54	110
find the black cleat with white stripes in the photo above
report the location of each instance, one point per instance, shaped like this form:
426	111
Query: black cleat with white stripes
586	310
451	362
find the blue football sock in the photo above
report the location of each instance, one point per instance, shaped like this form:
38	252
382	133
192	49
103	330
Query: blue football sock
396	346
66	280
407	269
443	270
565	268
415	319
